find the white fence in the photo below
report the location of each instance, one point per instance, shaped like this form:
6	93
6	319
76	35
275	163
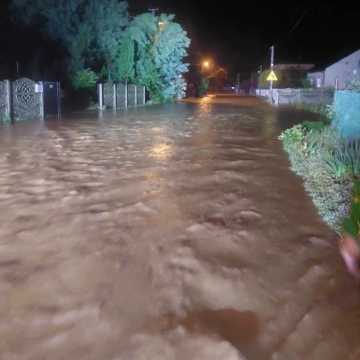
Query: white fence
120	96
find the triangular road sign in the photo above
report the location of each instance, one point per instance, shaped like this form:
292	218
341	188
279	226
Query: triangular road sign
272	76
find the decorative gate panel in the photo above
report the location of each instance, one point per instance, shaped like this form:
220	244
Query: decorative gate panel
27	100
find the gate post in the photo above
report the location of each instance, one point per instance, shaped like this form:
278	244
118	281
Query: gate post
5	105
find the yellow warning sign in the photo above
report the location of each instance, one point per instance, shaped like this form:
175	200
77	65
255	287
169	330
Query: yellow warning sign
272	76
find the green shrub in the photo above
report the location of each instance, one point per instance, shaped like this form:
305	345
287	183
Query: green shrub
84	79
351	223
327	164
314	125
347	153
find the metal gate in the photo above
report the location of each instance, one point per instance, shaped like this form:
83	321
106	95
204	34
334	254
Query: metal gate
52	98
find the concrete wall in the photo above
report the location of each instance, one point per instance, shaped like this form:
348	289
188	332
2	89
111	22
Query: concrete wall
347	113
140	94
342	72
297	96
121	96
109	99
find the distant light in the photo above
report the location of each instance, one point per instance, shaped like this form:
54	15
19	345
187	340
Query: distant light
161	24
206	64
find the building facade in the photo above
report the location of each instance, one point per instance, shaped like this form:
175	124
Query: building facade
317	79
338	75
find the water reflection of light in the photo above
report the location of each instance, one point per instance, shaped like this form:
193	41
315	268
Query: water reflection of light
206	99
205	104
161	151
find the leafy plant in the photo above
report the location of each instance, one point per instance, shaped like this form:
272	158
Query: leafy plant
124	65
347	155
314	125
160	48
84	79
328	178
351	224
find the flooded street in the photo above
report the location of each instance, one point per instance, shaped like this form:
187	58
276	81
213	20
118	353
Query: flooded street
168	232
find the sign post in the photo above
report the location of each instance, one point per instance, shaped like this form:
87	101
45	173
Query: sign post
272	76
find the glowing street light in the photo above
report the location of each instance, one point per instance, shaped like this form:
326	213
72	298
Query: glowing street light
206	64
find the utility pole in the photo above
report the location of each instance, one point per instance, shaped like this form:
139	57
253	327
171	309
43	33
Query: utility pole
271	69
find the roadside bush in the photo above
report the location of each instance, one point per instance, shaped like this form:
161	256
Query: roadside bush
84	79
344	159
328	165
351	224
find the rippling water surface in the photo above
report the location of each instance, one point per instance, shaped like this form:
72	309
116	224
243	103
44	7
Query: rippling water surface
168	232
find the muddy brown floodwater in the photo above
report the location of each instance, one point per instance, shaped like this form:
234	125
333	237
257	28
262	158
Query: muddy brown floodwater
168	232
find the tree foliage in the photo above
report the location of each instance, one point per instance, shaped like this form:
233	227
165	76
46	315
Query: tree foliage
124	64
161	46
89	30
99	38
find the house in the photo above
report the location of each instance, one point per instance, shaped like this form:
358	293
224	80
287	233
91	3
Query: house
316	78
299	67
337	75
288	75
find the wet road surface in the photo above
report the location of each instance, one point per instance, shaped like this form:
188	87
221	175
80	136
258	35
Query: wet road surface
167	232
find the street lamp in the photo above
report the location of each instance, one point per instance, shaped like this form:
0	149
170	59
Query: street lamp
206	64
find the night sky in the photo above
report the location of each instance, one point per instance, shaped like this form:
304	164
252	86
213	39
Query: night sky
237	35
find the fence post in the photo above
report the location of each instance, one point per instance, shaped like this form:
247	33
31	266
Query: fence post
100	96
144	95
126	94
114	96
42	112
135	95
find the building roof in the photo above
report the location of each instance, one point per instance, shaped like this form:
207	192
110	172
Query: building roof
294	66
345	58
